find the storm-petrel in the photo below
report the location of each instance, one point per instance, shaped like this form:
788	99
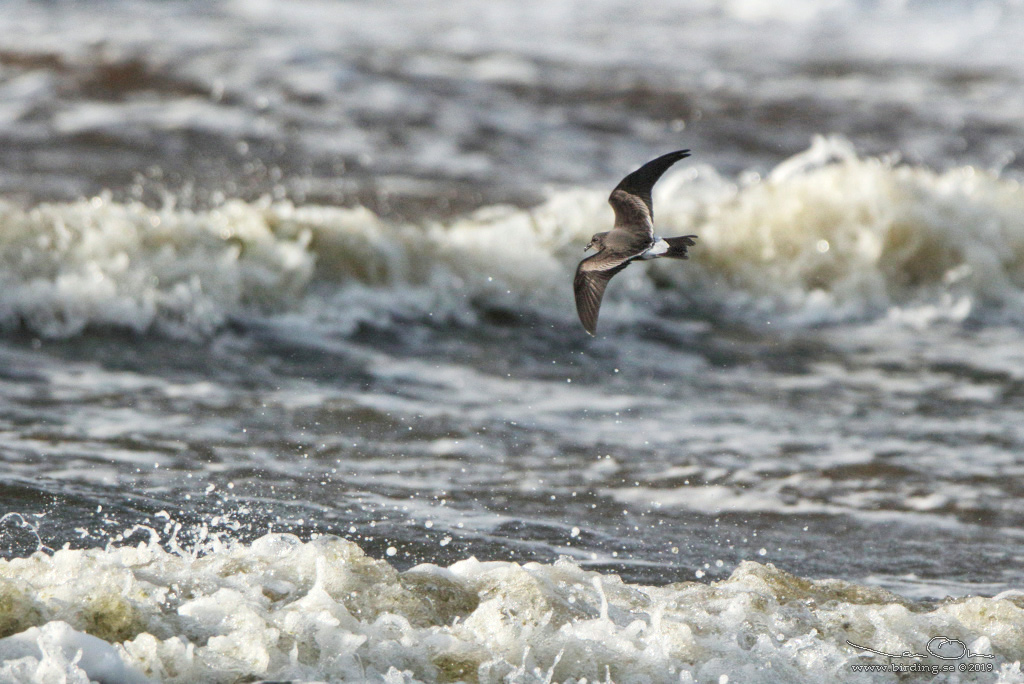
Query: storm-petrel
631	238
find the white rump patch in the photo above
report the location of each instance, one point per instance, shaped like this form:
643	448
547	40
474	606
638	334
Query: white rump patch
657	249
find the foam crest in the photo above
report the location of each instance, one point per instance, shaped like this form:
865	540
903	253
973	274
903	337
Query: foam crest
322	610
97	263
498	256
827	236
831	236
101	263
57	653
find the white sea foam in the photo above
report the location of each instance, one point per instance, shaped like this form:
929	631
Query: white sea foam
827	236
100	263
323	611
57	653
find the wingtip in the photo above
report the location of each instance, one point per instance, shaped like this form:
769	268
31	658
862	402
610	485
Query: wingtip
676	155
590	326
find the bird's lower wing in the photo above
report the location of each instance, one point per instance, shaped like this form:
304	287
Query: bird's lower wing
592	276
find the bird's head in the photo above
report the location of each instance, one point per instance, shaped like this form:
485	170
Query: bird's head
596	242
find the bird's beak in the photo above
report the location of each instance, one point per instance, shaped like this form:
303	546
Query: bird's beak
588	247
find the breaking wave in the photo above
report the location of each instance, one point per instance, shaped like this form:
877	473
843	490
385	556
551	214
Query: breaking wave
282	609
827	236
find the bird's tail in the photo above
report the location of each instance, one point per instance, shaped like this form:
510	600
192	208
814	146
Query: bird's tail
677	246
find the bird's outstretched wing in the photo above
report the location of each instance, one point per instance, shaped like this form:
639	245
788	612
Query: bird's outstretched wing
592	276
631	198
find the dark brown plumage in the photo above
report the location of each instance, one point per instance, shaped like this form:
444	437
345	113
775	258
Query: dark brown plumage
631	238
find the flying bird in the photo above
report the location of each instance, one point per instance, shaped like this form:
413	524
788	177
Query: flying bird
631	238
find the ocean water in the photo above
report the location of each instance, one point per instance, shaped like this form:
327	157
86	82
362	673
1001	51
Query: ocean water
292	386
